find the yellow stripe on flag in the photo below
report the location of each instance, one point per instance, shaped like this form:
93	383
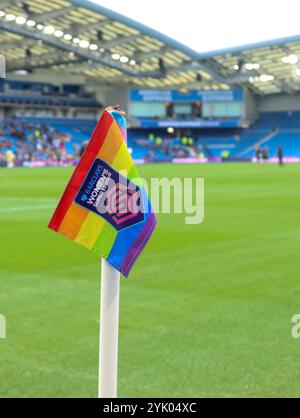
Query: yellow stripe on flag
90	230
123	160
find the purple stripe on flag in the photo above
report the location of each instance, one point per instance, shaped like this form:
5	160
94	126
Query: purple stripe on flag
138	245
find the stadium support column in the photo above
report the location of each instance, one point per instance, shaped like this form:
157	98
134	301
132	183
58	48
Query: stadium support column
109	330
118	96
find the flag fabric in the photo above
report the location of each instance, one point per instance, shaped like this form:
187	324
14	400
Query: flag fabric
105	207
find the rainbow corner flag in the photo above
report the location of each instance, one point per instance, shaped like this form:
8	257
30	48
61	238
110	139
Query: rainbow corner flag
105	207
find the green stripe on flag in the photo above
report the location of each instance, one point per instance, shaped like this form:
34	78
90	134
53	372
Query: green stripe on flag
134	175
105	241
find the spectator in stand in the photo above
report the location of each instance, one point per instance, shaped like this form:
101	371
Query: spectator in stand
82	148
34	142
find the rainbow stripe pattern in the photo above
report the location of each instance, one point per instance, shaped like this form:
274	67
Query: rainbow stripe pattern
117	235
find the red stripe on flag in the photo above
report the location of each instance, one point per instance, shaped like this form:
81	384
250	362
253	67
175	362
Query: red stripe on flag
89	155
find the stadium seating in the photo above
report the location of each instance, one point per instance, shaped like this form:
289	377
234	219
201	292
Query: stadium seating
272	130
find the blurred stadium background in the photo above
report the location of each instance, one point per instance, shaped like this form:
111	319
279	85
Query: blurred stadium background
67	60
224	328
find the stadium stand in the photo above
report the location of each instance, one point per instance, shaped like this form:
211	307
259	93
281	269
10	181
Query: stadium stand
33	139
180	104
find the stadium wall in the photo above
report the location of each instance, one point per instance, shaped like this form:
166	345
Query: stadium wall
117	96
52	78
279	103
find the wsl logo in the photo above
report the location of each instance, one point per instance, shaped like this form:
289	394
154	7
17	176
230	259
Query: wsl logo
123	204
111	196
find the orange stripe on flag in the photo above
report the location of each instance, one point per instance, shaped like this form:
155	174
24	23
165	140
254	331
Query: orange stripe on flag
112	144
73	221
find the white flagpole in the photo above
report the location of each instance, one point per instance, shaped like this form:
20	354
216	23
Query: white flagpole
109	329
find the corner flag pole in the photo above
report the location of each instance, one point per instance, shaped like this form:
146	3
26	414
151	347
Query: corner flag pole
109	329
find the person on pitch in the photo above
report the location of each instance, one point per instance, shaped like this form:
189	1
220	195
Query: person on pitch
10	159
280	155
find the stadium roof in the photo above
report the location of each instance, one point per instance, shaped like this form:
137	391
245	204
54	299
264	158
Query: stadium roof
76	36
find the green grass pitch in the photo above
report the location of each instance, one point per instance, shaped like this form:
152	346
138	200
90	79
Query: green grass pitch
206	311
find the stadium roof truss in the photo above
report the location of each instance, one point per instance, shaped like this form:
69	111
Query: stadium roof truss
76	36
